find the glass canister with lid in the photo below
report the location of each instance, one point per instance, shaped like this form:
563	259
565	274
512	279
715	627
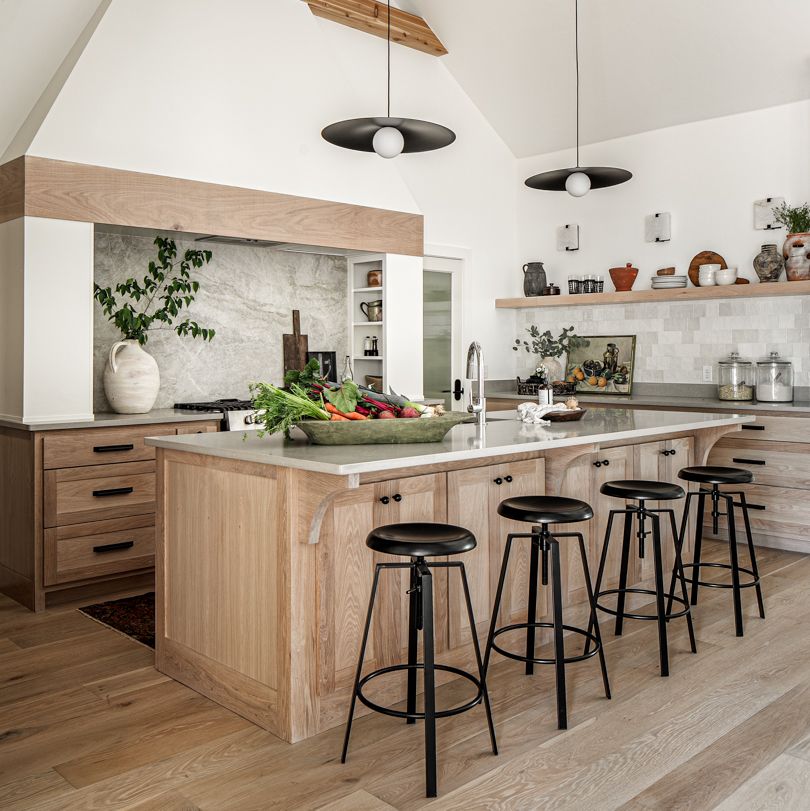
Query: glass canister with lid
736	379
774	380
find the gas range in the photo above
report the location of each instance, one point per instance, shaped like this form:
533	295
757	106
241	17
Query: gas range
237	415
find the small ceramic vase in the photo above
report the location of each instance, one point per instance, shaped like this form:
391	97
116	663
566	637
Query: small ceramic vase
797	266
791	240
623	278
768	264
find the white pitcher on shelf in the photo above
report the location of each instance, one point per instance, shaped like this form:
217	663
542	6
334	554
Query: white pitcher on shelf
131	378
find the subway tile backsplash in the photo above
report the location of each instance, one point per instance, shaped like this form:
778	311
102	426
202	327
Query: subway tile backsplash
675	340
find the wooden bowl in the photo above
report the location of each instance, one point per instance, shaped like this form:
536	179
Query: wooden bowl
665	272
566	416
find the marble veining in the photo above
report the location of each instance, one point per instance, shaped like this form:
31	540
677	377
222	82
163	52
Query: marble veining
247	295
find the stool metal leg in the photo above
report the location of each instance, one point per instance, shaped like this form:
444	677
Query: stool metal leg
479	662
659	596
532	609
735	565
413	631
559	647
373	596
752	553
600	572
593	621
628	529
498	594
678	569
430	682
698	539
679	539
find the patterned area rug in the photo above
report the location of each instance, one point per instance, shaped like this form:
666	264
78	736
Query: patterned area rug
131	616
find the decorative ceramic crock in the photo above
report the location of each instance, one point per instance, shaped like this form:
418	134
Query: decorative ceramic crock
554	368
534	279
131	378
791	240
768	264
797	267
623	278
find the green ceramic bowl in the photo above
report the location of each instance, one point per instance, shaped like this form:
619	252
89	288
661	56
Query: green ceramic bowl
382	432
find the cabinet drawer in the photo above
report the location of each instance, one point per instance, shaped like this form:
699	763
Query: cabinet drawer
777	464
100	446
76	495
777	429
100	548
778	511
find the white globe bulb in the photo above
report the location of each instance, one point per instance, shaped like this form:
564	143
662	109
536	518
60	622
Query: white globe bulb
388	142
578	184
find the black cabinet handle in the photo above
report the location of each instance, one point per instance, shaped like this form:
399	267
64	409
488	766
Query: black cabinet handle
749	461
606	462
498	481
669	452
747	427
113	448
114	491
385	500
756	506
597	464
397	497
113	547
508	479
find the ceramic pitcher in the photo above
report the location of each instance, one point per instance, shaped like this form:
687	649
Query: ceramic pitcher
534	278
131	378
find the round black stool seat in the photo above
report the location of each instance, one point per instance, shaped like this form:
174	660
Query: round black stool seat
709	474
420	540
545	509
639	490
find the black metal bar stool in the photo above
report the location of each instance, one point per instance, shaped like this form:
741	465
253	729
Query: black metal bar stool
641	492
420	541
715	476
542	511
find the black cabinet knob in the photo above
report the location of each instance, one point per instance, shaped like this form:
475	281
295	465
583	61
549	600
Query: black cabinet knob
606	462
597	464
397	497
499	480
385	500
507	479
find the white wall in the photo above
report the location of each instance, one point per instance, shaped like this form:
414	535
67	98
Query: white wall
12	261
58	320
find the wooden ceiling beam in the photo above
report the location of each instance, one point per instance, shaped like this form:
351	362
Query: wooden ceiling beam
372	17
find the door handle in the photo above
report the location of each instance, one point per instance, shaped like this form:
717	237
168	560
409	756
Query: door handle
457	391
498	481
114	491
597	463
113	547
507	479
748	427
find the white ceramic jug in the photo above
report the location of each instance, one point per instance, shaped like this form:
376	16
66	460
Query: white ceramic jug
131	378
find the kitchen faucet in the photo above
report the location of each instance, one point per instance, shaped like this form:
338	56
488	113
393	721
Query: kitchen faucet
475	370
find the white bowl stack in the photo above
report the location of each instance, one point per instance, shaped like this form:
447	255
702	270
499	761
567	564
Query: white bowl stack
668	282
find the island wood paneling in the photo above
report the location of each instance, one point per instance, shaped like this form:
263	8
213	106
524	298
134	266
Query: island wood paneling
12	189
86	193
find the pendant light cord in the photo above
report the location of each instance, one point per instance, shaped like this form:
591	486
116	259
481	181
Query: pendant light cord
576	57
389	58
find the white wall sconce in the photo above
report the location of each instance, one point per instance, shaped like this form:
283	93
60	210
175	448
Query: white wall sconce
568	237
764	219
658	227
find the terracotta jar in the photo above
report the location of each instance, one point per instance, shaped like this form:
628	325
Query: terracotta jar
791	240
623	278
374	278
797	267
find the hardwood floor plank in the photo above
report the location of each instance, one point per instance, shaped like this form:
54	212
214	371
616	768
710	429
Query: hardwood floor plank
70	625
357	801
33	789
744	751
124	683
7	646
171	801
783	783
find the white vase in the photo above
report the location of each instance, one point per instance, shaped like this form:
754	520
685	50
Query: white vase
554	368
131	378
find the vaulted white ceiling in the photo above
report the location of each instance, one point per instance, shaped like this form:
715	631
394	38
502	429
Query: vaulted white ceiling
644	64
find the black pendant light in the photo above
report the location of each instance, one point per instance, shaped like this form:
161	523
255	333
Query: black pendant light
388	136
579	180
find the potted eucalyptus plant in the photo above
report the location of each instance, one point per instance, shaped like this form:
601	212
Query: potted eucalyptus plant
131	375
550	349
796	220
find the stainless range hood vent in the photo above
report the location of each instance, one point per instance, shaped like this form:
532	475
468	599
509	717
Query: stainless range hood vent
256	243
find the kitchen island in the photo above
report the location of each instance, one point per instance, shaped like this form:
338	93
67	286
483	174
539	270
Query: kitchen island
263	575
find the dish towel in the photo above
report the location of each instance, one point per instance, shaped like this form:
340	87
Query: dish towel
534	414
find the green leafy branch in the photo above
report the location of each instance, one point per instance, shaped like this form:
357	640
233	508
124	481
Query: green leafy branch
158	299
547	346
795	218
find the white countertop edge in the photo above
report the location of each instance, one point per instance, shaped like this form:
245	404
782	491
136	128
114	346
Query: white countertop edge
198	443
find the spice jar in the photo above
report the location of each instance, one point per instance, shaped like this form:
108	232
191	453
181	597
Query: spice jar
774	380
736	379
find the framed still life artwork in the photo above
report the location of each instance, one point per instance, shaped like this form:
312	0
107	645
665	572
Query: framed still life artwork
604	364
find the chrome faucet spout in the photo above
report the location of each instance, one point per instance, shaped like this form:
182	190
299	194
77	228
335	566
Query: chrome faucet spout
475	371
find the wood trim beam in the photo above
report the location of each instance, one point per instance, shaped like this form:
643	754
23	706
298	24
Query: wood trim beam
98	194
372	17
12	189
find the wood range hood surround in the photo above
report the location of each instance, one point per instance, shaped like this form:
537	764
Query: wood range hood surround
41	187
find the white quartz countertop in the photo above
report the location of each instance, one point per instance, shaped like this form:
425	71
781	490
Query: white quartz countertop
503	435
111	420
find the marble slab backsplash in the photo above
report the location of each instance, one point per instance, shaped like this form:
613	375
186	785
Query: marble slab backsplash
247	295
675	340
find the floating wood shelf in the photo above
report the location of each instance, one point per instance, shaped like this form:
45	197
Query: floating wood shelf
768	290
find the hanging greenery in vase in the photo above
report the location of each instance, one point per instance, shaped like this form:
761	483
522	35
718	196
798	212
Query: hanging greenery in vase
550	349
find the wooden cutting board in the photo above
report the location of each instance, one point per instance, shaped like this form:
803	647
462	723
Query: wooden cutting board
295	346
707	258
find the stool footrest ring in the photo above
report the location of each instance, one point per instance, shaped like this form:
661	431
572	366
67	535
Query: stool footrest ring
747	585
474	702
628	615
567	660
